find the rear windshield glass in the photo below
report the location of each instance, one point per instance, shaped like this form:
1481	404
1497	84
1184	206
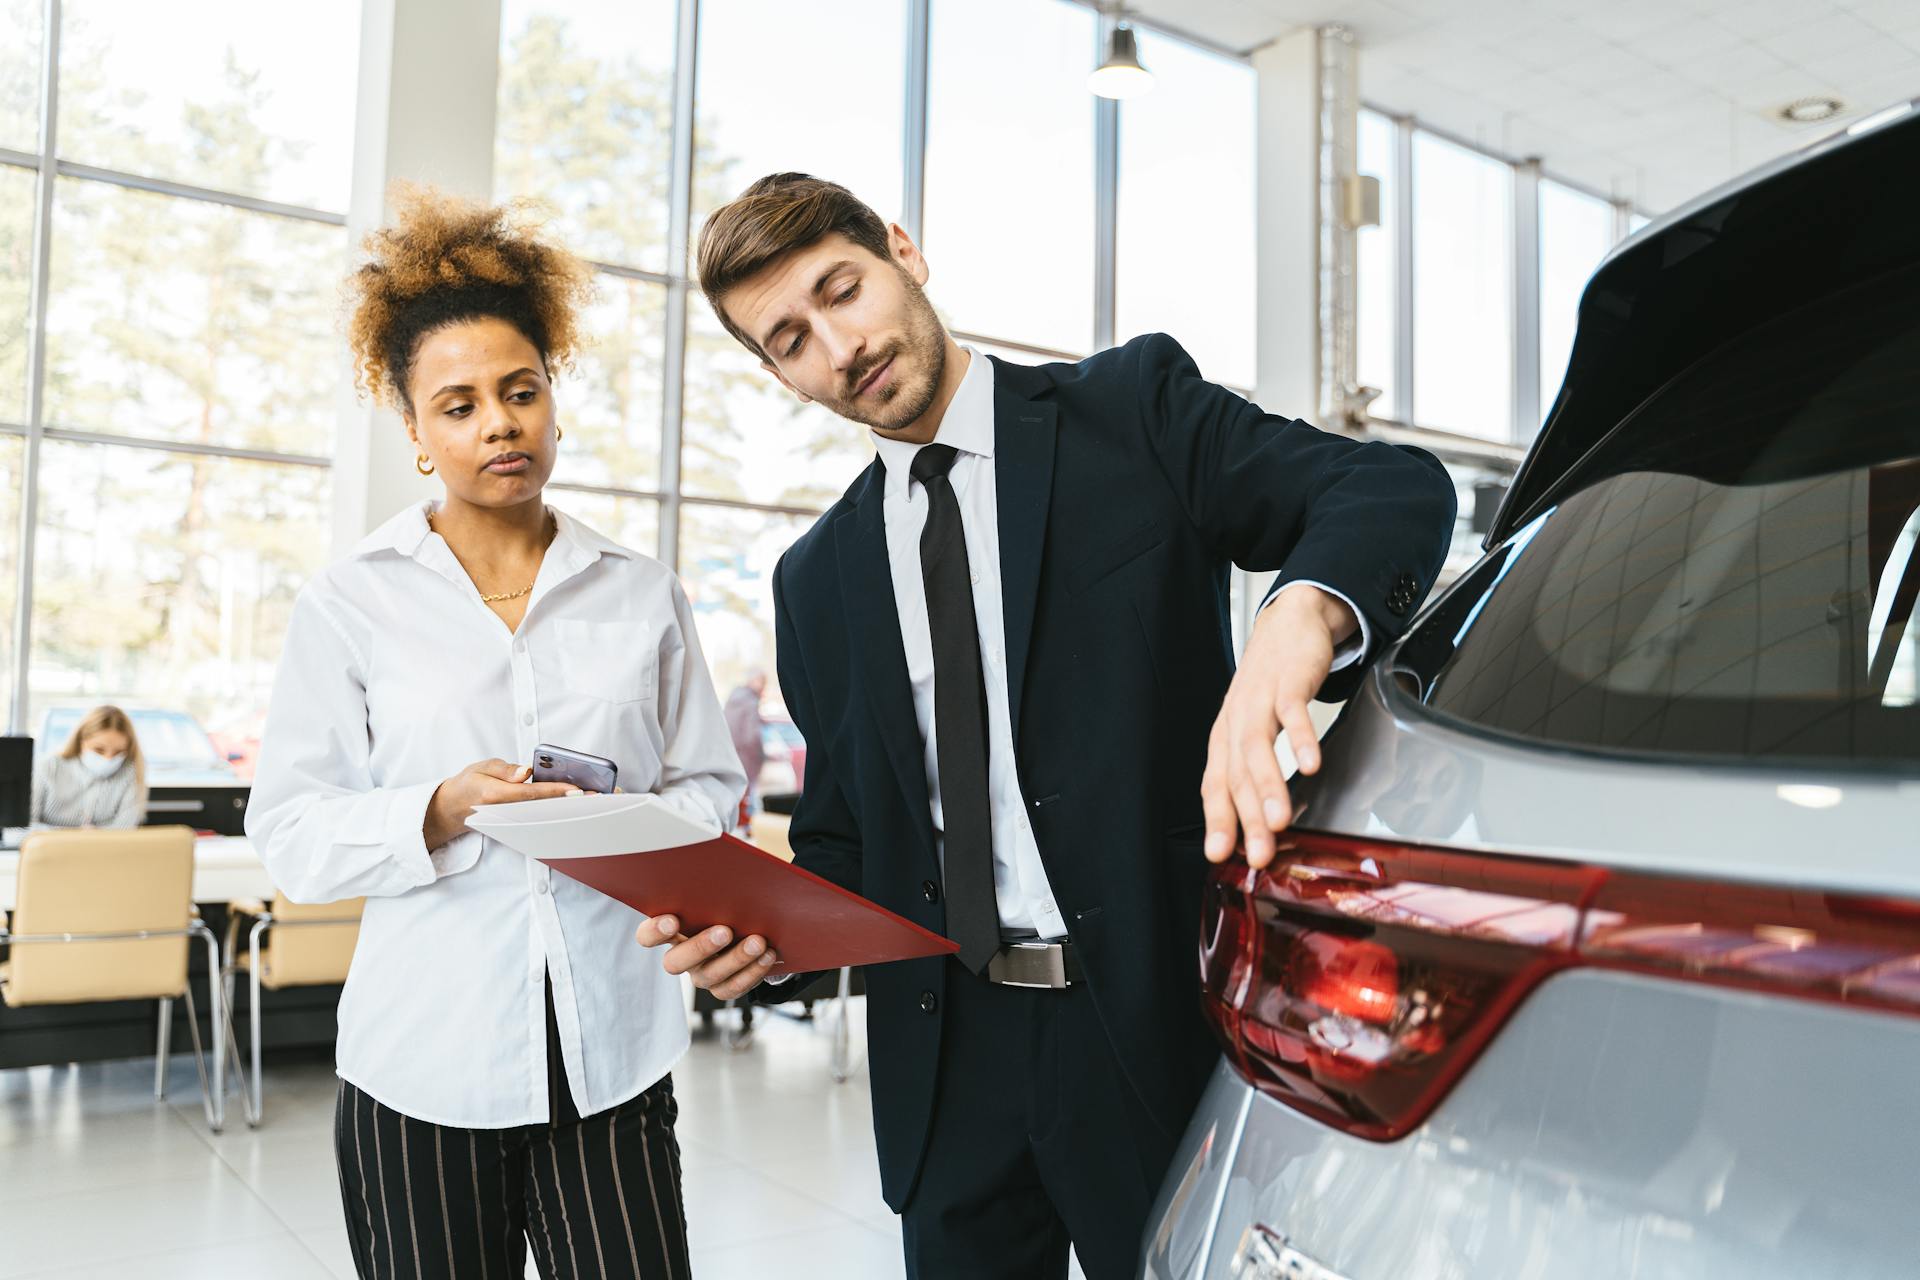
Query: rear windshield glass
1732	573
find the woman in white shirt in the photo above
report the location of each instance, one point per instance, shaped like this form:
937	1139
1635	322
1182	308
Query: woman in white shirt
503	1047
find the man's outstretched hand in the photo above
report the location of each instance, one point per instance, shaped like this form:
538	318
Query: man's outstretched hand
1287	658
729	972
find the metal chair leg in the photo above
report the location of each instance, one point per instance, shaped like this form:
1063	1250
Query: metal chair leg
253	1009
841	1063
227	984
162	1050
199	1057
240	1076
214	1097
239	1069
739	1038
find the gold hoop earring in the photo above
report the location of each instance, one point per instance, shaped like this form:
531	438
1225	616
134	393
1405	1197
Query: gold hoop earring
421	465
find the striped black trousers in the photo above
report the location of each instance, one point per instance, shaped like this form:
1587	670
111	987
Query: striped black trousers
596	1197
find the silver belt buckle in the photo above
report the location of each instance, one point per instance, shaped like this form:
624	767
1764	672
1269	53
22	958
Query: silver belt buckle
1029	964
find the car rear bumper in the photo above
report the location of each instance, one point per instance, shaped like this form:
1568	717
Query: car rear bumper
1618	1126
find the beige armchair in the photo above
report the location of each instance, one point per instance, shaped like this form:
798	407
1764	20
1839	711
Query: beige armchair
107	915
306	946
769	832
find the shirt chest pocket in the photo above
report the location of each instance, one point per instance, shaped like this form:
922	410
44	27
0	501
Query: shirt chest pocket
609	661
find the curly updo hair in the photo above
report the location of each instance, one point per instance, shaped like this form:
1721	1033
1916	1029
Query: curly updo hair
446	260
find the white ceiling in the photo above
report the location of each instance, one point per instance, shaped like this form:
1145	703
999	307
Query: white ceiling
1653	100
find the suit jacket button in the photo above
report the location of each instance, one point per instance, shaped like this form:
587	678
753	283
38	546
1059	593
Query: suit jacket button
927	1003
930	890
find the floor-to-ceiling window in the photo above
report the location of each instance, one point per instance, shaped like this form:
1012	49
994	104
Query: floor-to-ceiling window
1010	190
1439	303
1576	231
1462	290
1452	270
170	253
586	126
170	360
1185	256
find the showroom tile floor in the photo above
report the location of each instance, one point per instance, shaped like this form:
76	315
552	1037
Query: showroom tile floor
99	1180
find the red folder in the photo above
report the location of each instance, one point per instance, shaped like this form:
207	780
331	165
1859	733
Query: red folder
811	923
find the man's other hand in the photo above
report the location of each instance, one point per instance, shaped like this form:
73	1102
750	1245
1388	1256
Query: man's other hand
1287	658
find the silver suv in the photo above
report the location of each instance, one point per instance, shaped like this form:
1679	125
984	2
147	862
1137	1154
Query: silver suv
1597	952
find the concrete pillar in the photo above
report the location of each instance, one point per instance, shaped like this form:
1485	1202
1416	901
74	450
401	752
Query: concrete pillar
1527	391
428	79
1287	235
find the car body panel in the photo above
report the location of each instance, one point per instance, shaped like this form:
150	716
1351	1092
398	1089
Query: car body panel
1626	1124
1184	1219
1714	1133
1391	768
1805	226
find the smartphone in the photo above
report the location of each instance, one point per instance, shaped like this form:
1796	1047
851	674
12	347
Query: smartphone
587	772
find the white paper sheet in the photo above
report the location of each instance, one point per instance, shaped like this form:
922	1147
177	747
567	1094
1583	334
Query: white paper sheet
589	826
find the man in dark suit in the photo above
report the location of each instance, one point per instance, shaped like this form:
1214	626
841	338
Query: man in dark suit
1008	648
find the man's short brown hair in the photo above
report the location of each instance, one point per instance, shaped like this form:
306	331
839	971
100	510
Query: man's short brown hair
781	213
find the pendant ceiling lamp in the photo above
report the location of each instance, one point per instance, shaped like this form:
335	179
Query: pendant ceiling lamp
1121	75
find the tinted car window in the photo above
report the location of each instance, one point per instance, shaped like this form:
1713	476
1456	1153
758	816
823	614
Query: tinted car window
1731	573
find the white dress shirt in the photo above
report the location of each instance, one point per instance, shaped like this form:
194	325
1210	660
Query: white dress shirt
396	676
1019	879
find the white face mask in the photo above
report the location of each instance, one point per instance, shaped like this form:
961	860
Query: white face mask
100	766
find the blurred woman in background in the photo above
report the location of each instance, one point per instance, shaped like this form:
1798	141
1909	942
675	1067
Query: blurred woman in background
98	779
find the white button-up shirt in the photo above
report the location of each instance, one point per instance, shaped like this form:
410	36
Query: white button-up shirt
1019	878
396	676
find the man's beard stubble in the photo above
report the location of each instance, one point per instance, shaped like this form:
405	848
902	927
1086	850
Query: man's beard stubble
901	405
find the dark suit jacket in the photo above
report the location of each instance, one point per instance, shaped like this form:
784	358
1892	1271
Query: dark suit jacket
1127	485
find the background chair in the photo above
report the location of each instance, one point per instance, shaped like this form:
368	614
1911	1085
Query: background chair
769	832
106	915
306	946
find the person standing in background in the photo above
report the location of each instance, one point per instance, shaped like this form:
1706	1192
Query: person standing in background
98	779
746	726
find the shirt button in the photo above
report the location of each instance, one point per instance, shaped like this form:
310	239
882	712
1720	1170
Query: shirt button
930	890
540	886
927	1003
527	719
519	646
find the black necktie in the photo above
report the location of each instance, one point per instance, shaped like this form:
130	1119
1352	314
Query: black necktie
959	715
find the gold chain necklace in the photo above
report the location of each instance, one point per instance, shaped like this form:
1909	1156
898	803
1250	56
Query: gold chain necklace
494	599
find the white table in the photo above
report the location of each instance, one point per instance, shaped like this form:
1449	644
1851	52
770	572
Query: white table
224	868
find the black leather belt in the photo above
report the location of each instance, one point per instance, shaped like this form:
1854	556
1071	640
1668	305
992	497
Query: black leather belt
1035	964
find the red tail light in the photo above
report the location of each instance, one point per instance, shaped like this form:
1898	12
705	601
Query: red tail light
1356	981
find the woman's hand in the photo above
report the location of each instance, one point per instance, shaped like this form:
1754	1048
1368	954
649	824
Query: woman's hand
488	782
